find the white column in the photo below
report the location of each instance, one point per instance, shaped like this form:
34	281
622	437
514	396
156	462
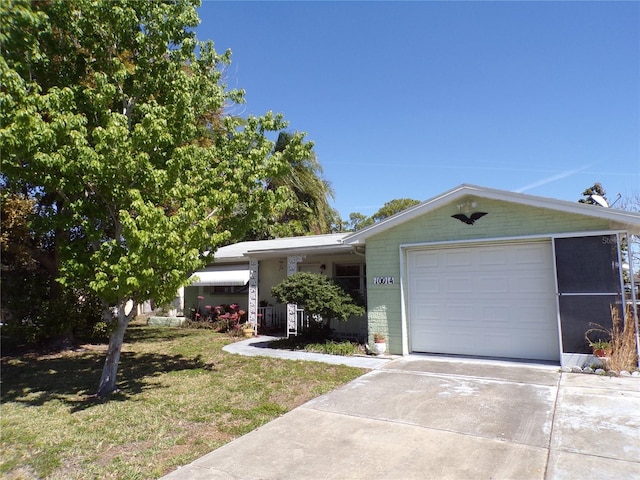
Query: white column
292	321
292	264
253	293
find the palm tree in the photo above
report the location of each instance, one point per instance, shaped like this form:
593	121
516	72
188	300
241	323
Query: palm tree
310	212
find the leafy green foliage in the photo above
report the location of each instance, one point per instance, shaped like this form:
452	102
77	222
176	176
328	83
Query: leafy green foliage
358	221
35	308
14	232
308	210
311	192
115	127
318	295
310	344
392	207
113	122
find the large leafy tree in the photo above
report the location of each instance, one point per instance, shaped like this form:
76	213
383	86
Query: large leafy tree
35	308
392	207
358	221
113	122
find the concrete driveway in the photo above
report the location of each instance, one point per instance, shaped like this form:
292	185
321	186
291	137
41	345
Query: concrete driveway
422	417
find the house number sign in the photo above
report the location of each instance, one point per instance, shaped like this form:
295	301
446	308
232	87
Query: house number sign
383	280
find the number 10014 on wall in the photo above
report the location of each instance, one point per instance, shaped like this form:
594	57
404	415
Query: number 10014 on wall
383	280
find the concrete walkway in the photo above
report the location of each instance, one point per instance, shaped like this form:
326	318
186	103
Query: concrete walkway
421	417
258	346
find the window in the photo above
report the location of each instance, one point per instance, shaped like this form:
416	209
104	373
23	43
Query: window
352	277
227	289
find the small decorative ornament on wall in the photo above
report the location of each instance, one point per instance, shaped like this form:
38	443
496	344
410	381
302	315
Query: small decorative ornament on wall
467	217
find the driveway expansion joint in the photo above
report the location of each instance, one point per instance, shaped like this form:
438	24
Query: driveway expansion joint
553	420
462	376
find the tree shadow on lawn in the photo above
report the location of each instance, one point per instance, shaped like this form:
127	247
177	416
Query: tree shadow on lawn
146	333
73	378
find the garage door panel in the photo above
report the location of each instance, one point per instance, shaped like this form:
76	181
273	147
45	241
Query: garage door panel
534	283
428	285
427	308
465	340
493	284
494	316
503	340
538	315
492	257
487	300
460	315
531	255
428	260
458	284
453	259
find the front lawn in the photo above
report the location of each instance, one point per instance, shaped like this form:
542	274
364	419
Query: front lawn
181	396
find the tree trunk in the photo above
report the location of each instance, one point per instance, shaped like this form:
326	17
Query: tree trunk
110	369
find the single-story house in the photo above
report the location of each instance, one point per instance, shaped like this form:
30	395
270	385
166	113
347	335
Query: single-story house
243	273
474	271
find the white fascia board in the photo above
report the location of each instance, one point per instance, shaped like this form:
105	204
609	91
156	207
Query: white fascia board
279	247
221	276
302	251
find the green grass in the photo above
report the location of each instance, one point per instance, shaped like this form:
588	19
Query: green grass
180	397
329	347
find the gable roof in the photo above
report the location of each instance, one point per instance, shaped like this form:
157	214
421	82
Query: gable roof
630	220
344	242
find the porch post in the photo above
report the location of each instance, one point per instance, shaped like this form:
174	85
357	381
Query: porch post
292	320
253	293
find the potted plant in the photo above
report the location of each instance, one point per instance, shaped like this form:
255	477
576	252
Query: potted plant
379	343
601	348
247	330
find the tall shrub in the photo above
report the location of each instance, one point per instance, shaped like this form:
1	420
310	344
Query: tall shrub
318	295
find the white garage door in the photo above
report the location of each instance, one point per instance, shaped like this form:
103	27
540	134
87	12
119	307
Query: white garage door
496	300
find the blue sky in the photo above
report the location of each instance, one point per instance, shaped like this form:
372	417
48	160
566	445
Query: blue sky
410	99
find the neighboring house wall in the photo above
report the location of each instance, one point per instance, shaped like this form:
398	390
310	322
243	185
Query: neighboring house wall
503	220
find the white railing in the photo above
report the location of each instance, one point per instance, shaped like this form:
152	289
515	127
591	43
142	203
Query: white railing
274	318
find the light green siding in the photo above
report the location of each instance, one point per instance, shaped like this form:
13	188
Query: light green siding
502	221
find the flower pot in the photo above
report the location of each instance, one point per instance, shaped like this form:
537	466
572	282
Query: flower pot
247	332
379	348
601	353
